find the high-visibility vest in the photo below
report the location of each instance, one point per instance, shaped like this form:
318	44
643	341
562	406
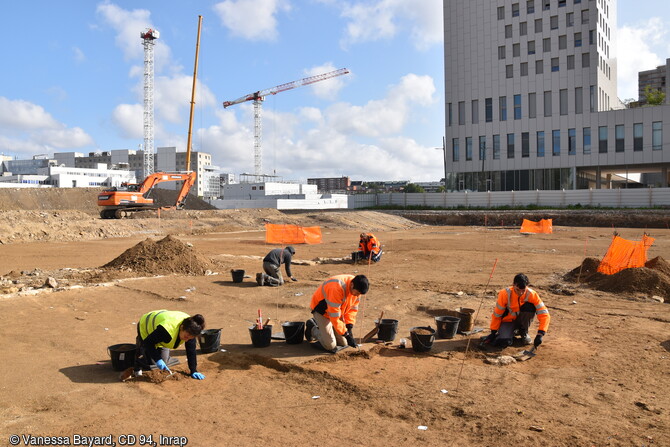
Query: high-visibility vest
170	320
371	245
341	304
509	304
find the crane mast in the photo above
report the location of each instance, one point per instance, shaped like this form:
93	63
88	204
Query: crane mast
148	38
259	96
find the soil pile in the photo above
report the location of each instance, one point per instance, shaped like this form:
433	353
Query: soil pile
166	256
652	279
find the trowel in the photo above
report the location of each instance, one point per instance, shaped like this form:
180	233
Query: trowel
526	354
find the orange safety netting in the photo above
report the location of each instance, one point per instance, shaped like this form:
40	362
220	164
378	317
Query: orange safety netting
543	226
292	234
624	254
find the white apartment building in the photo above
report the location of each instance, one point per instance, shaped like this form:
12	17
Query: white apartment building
531	99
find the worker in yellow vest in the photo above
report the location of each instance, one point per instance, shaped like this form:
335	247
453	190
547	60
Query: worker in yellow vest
161	330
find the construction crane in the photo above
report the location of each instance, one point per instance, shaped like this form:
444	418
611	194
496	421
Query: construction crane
259	96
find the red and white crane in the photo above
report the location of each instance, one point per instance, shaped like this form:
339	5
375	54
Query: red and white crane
259	96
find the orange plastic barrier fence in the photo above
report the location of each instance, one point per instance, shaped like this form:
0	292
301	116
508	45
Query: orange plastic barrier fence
292	234
624	254
543	226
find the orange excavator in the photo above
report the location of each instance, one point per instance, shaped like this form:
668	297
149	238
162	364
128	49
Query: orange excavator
129	197
120	201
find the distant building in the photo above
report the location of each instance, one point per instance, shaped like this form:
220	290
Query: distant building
656	79
69	177
335	184
277	195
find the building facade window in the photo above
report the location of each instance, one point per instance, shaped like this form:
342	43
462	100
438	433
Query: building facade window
488	109
468	148
482	148
523	28
455	152
602	139
578	40
515	10
461	113
530	6
502	108
501	13
563	101
538	25
619	137
525	145
657	135
553	22
556	142
592	98
531	47
572	142
562	42
517	107
539	67
554	64
496	147
516	50
587	140
570	19
579	100
450	114
571	62
638	137
510	145
501	52
532	106
523	69
508	31
546	44
585	16
509	71
547	103
540	144
475	111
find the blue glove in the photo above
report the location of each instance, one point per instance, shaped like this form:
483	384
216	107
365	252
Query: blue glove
161	365
197	375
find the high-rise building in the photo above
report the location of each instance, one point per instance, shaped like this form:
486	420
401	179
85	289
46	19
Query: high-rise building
531	99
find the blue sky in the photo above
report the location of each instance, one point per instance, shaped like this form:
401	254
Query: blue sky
72	80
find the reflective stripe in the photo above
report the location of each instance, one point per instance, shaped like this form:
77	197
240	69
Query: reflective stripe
353	308
499	315
540	312
539	305
334	315
499	307
153	322
333	304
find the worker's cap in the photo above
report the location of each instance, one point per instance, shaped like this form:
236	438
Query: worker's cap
290	249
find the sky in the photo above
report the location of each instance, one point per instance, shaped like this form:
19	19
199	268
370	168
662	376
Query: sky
72	80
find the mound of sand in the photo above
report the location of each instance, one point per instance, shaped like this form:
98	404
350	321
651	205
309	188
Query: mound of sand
652	279
166	256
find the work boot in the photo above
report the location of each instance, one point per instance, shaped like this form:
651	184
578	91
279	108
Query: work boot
259	279
309	325
526	340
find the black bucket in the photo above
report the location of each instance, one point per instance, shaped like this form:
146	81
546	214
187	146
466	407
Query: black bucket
387	329
238	275
467	317
294	332
210	340
261	338
447	326
123	355
422	342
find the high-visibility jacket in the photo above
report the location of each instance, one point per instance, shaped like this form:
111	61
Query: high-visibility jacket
371	245
170	319
334	300
509	303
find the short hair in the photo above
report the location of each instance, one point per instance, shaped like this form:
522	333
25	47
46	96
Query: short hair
361	283
194	325
290	249
364	236
521	281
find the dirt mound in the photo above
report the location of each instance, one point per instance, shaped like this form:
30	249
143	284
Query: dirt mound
167	197
652	279
166	256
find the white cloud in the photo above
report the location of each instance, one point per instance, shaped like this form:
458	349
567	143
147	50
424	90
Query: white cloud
129	118
23	115
33	129
635	53
384	19
251	19
79	55
329	88
172	97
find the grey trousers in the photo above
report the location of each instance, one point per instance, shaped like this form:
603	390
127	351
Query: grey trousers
274	272
325	334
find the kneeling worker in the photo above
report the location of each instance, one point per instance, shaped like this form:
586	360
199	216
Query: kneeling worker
334	307
369	248
272	266
514	312
162	330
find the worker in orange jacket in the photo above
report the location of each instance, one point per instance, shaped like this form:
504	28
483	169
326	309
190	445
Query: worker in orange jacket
369	248
334	308
514	312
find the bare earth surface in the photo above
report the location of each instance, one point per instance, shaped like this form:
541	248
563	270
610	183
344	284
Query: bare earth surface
599	379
